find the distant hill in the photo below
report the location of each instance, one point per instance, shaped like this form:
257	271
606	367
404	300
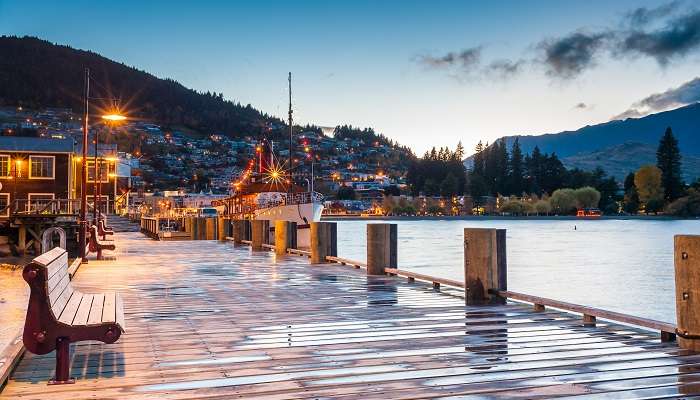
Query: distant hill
621	147
620	160
36	73
685	122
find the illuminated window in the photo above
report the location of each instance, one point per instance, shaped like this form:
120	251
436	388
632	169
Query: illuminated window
102	173
5	166
41	167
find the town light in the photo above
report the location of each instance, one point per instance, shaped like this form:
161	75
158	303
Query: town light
113	117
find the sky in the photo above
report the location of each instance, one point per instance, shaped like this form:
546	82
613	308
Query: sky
424	73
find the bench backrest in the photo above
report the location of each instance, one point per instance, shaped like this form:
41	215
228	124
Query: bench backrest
58	288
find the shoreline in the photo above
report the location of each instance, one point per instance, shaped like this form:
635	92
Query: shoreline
502	217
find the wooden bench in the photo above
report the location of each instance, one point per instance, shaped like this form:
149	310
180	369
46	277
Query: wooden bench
58	315
103	230
97	245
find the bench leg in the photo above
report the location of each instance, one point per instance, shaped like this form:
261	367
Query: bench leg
62	362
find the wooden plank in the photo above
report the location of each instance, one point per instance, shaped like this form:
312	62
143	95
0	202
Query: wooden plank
73	268
426	278
109	309
48	257
59	304
81	316
119	317
95	316
57	265
595	312
71	308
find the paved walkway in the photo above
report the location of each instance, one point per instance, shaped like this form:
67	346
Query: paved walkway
210	320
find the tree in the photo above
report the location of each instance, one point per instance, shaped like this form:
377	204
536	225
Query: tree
517	183
543	207
688	206
630	203
388	205
587	197
449	186
647	180
668	160
563	201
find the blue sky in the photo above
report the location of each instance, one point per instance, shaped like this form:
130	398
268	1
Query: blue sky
402	67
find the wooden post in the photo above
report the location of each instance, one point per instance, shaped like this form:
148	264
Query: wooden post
687	270
22	239
285	236
191	228
266	231
324	241
201	228
257	234
210	227
382	251
238	231
485	266
220	228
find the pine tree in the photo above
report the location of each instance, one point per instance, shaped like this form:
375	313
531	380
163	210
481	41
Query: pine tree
668	160
517	185
459	151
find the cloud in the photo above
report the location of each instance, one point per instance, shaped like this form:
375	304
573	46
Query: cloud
687	93
504	68
677	38
643	16
567	57
581	106
466	59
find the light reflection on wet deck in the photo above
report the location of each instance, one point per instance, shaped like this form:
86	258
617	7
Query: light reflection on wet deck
208	320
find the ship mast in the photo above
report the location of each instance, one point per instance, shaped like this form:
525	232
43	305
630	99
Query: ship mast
291	134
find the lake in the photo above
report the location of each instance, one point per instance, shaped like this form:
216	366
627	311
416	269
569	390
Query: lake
620	265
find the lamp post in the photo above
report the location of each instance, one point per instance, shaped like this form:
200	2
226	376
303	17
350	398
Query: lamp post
82	234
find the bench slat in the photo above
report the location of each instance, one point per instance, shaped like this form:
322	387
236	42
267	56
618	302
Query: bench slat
109	310
81	317
95	316
120	313
60	303
45	259
53	282
57	264
71	308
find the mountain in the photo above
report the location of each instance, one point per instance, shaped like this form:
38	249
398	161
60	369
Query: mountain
620	160
684	121
621	146
36	73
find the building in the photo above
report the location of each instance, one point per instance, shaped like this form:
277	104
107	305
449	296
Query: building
33	171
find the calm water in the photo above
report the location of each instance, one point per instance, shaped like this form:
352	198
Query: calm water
621	265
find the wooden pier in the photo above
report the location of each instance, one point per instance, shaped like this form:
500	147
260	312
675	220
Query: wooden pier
210	319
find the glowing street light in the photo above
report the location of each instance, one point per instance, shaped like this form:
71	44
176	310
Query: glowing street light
114	117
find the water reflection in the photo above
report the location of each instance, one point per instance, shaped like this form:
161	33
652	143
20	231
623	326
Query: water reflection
611	264
380	291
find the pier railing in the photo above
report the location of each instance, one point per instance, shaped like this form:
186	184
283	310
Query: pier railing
485	270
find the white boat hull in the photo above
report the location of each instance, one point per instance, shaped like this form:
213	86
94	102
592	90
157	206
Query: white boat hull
302	214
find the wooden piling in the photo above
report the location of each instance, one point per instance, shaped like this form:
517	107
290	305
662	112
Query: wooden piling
257	234
238	231
382	249
485	266
220	228
210	226
190	227
687	270
324	241
285	236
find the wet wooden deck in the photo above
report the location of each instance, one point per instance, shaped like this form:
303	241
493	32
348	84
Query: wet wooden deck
207	320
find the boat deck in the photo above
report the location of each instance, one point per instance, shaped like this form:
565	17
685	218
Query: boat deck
209	320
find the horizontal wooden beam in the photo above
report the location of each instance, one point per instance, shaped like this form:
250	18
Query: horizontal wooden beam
425	278
541	302
345	261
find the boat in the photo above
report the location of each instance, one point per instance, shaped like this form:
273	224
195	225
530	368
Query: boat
266	190
590	213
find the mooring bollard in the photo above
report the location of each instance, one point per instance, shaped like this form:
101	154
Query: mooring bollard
382	249
485	266
285	236
324	241
687	270
257	234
